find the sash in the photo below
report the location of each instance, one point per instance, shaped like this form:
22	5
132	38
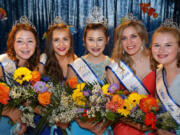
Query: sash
163	94
8	66
84	71
43	59
127	78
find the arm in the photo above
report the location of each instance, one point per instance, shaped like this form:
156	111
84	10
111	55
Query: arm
97	128
111	77
70	73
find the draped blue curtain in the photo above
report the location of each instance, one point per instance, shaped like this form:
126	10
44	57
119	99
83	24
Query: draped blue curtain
74	12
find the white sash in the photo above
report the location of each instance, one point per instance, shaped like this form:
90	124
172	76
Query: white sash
162	92
127	78
8	66
84	72
43	59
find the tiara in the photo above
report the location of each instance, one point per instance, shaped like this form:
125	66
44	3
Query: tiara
130	17
96	16
24	20
169	23
57	20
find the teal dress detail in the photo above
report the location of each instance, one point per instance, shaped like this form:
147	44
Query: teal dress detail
99	70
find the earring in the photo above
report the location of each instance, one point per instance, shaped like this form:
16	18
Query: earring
142	47
123	52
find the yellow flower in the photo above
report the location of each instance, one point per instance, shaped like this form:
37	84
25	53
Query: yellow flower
22	74
105	89
134	99
78	97
125	109
81	86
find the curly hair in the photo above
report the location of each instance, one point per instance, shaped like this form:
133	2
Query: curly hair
52	66
33	61
118	52
164	29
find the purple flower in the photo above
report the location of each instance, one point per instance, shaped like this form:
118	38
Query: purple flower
46	78
40	87
113	87
86	93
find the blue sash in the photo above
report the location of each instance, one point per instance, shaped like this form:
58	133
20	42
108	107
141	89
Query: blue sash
84	71
127	78
163	94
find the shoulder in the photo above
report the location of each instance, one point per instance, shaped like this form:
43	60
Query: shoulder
43	58
4	57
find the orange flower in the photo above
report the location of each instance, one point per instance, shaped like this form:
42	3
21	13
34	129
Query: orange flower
36	76
44	98
4	93
148	104
72	82
116	99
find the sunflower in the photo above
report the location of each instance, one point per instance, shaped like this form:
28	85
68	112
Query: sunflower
22	74
134	99
125	109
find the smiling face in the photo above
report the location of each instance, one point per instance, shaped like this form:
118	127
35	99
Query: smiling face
24	44
165	48
61	42
95	42
131	41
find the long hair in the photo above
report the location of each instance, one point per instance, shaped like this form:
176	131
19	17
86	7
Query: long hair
164	29
52	66
118	52
34	59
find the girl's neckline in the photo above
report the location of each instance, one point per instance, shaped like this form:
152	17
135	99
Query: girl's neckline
84	57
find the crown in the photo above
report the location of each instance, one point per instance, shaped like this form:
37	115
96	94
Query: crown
169	23
24	20
130	17
96	16
57	20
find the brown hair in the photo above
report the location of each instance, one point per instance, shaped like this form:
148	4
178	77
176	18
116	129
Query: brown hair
34	59
118	53
52	66
95	26
164	29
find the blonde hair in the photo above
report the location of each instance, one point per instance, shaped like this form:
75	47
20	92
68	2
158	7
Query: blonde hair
164	29
118	52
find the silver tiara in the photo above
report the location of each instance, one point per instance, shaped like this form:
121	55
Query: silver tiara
130	17
96	16
169	23
25	20
57	20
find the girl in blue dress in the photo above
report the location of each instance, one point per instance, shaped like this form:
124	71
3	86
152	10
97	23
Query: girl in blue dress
166	51
91	68
58	54
22	51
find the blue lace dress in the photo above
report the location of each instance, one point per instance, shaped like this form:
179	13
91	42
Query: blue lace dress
99	69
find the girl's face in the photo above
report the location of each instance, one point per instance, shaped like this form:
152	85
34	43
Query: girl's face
95	42
131	41
24	45
61	42
165	48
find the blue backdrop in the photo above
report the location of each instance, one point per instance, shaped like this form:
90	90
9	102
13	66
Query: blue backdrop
74	12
